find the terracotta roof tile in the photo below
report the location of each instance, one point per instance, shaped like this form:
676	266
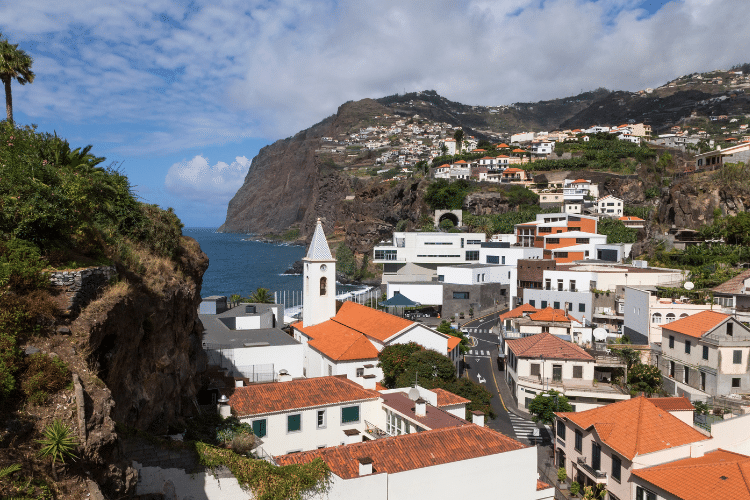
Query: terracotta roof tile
343	344
734	285
635	427
697	324
447	398
305	393
503	145
410	451
547	345
541	486
722	473
373	323
453	342
550	314
673	404
630	218
517	312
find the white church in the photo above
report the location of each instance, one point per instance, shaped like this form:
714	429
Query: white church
347	341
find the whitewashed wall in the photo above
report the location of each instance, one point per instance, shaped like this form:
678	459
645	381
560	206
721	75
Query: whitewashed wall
427	293
200	486
288	357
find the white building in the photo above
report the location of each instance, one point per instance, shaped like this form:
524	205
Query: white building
450	144
610	205
733	296
413	256
542	362
645	314
579	189
542	147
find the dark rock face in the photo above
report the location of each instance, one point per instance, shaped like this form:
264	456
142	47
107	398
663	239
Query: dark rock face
486	203
691	204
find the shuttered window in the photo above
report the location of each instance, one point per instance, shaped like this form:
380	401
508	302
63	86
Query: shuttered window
349	414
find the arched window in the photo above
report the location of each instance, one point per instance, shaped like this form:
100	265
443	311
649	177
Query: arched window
670	317
323	285
683	315
656	318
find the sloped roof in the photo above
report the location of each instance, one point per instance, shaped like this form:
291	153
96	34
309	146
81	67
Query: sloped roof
258	399
548	346
698	324
319	249
734	285
551	314
453	342
723	473
631	218
503	145
373	323
517	312
410	451
342	344
673	404
635	427
447	398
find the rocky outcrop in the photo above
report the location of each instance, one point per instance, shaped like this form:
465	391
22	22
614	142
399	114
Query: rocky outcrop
691	203
486	203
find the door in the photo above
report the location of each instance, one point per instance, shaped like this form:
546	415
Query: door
557	372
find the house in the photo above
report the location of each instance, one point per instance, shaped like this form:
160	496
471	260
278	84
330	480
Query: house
733	296
722	473
579	189
452	462
247	341
633	222
606	445
734	154
610	205
530	234
544	361
706	353
301	415
542	147
414	256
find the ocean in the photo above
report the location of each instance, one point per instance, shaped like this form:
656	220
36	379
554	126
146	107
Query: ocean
239	265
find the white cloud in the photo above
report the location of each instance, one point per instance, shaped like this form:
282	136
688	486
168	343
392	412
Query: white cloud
198	181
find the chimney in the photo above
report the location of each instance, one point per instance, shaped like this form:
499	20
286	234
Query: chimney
368	382
365	466
224	409
238	382
477	417
352	436
420	407
284	376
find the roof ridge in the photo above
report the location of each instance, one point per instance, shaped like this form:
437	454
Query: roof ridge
742	474
638	425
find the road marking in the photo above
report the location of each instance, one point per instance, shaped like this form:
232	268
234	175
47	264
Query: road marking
481	380
497	387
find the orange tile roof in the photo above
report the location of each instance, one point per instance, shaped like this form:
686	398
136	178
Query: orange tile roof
503	145
447	398
550	314
541	486
258	399
517	150
517	312
548	346
380	387
722	473
410	451
673	404
635	427
460	161
630	218
373	323
502	156
698	324
513	170
580	181
453	342
343	344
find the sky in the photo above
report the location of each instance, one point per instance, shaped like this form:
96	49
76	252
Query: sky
182	94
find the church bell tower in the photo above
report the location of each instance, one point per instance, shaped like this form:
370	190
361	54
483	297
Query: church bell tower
319	287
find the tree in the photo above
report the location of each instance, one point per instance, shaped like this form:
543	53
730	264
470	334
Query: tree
645	378
458	135
261	296
630	356
443	149
392	360
426	365
444	195
445	327
545	404
14	64
57	443
345	261
616	231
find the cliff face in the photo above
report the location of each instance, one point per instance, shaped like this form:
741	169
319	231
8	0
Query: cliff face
691	203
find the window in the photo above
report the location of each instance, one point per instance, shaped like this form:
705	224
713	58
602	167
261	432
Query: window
556	305
259	427
503	259
493	259
581	307
670	317
705	352
473	242
561	255
579	441
686	375
532	303
544	304
582	241
656	319
577	372
596	456
573	285
559	285
294	423
616	468
545	229
330	370
461	295
472	255
321	419
574	228
462	242
535	369
643	494
553	241
570	306
560	430
671	369
671	341
730	328
687	347
349	414
547	284
386	254
360	372
560	458
323	285
703	381
737	357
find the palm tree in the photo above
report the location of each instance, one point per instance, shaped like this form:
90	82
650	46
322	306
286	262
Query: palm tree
458	135
14	63
261	296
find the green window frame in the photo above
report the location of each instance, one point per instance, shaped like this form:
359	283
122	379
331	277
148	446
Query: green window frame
260	427
294	422
349	414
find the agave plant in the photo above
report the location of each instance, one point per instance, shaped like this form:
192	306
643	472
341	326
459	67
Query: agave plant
58	443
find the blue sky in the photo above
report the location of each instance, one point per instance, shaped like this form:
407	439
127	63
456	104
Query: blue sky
184	93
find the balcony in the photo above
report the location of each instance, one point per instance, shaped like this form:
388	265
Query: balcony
372	431
600	389
597	476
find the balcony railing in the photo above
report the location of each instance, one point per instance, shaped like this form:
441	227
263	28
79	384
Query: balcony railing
572	385
372	431
597	475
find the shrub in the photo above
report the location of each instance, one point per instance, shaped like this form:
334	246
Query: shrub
44	375
242	442
574	488
562	474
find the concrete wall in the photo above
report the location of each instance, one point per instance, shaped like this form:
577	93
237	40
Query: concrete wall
289	357
552	296
429	293
636	323
180	484
480	297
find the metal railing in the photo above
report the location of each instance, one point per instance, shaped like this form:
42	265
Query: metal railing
596	474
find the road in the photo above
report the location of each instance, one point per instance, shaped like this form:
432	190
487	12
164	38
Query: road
482	367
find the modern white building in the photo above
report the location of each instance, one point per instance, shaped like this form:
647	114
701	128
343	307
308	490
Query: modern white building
645	314
610	205
579	189
413	256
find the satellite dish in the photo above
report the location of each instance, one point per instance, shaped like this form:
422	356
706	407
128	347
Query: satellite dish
600	333
688	285
413	393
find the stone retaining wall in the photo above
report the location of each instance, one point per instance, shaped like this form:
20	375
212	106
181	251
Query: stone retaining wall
81	287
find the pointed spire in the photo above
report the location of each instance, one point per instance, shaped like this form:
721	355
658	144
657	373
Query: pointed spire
319	249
